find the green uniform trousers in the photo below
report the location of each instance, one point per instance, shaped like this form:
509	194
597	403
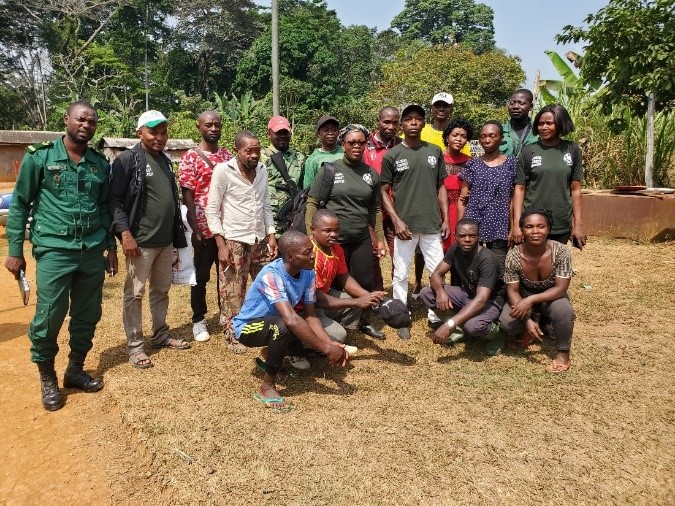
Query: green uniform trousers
63	277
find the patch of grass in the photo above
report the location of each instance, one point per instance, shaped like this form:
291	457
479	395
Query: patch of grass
415	423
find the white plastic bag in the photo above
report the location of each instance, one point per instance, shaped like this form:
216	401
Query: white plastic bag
183	262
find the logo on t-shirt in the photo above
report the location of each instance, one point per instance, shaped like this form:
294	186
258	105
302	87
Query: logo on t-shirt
148	170
431	160
368	178
536	162
402	165
339	178
568	159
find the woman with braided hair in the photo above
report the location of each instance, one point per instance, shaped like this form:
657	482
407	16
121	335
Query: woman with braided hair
537	277
355	199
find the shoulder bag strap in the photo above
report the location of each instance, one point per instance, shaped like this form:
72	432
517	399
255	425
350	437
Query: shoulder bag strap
204	157
327	183
280	164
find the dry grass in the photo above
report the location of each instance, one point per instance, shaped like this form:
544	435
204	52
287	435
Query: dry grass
413	423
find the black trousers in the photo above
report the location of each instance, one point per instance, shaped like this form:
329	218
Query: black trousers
273	333
204	258
359	258
563	238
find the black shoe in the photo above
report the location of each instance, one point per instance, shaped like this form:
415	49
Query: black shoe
76	377
371	331
52	399
82	381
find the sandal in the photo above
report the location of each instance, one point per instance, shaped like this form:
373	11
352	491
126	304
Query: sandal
140	360
235	346
276	404
172	343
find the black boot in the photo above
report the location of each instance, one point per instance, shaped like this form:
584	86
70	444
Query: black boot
51	397
76	377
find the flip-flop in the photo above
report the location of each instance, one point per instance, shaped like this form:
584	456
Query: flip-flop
271	402
556	367
173	343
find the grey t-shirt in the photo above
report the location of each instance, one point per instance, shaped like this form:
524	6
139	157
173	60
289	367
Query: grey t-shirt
415	175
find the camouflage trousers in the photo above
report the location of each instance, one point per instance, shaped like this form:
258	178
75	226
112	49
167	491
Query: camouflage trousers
249	259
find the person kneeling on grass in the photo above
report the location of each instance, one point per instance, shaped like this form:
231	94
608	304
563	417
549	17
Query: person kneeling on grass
537	276
476	303
338	308
268	316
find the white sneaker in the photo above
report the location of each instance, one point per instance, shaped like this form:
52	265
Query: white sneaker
200	332
352	350
299	362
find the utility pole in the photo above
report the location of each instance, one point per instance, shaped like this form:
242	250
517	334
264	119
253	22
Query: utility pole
275	57
145	72
649	161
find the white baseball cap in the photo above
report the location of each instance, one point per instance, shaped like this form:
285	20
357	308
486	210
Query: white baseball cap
151	119
442	97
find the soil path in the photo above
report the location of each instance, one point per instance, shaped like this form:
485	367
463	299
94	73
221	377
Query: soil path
80	452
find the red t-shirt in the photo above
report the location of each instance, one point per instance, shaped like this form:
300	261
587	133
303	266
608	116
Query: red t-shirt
328	267
195	174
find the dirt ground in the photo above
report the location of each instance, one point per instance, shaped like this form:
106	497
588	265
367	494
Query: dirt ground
404	423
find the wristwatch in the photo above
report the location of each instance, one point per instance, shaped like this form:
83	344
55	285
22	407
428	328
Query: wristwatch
451	323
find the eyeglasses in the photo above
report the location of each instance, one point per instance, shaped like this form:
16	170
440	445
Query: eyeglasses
355	143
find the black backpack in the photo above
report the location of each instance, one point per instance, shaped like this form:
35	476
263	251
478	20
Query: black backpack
291	215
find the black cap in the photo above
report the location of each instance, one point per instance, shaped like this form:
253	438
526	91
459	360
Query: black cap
326	118
395	313
413	107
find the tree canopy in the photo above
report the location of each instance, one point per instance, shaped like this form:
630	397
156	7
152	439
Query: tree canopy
217	54
448	22
629	46
480	84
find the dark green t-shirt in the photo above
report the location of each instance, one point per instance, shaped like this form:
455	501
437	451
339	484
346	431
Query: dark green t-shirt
415	175
548	178
155	229
355	194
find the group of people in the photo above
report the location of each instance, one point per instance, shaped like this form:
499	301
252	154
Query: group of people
491	231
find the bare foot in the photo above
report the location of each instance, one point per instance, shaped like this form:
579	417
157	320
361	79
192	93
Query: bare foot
560	363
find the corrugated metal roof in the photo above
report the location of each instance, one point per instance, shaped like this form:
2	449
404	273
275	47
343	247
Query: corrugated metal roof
27	137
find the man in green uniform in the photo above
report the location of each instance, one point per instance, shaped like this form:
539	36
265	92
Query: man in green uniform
279	130
518	130
66	183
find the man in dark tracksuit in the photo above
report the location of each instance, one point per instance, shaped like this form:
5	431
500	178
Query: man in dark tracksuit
66	183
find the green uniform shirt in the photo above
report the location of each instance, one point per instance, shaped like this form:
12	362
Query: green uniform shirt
415	175
155	229
294	162
354	198
69	200
511	144
548	180
315	160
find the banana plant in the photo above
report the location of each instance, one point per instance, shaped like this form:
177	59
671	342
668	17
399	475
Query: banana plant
569	83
